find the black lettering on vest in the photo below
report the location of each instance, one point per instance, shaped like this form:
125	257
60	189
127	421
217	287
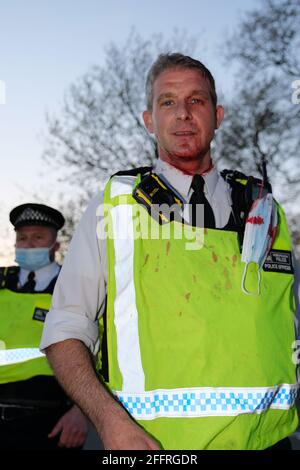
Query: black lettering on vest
40	314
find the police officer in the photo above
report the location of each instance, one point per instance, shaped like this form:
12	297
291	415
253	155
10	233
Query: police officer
199	338
35	413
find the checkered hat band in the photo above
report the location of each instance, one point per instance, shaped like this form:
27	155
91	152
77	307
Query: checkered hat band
35	216
14	356
197	402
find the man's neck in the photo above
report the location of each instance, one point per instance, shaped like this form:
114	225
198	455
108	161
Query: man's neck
189	166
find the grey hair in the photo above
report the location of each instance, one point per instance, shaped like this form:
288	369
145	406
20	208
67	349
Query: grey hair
173	61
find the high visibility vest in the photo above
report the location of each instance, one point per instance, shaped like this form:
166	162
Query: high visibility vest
21	326
197	362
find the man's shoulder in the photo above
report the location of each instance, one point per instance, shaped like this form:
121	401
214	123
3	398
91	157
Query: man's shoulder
133	171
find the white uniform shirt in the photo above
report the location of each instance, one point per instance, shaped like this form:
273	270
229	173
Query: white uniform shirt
43	276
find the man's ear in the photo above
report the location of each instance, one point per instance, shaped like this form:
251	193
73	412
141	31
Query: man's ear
219	116
53	250
148	121
56	246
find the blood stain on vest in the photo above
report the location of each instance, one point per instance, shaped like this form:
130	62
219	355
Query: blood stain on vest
180	314
228	284
168	247
194	279
214	257
146	260
234	261
187	296
216	291
157	265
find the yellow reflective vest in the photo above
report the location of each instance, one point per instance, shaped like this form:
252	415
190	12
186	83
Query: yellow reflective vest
21	325
199	364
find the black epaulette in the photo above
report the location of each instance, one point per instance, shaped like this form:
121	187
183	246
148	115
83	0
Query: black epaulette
143	170
6	273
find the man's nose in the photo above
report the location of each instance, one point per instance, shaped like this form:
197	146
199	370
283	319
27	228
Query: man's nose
182	111
29	244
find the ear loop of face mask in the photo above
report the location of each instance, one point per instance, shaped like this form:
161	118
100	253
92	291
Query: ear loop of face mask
246	291
52	246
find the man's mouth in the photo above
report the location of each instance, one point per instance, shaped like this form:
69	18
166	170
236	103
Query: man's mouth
183	133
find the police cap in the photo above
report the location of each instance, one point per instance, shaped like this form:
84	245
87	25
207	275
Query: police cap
36	214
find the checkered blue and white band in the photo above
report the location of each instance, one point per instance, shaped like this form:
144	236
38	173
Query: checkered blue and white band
197	402
14	356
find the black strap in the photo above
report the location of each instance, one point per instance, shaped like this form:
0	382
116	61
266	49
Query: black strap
50	288
244	190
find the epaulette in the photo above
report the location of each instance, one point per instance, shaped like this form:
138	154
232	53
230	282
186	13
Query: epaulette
134	171
6	272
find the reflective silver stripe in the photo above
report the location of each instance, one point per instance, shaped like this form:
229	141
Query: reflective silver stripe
200	402
14	356
126	315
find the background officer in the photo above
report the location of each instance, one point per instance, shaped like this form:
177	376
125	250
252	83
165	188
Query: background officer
35	413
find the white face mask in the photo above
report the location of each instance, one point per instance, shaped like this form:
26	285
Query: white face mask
260	232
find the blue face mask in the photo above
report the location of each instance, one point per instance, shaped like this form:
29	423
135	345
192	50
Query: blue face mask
33	259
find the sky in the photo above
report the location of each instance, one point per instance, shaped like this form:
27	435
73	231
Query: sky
46	45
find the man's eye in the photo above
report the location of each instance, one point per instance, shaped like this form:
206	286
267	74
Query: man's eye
197	101
167	103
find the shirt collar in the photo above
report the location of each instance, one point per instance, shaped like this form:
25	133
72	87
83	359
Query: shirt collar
46	273
182	182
